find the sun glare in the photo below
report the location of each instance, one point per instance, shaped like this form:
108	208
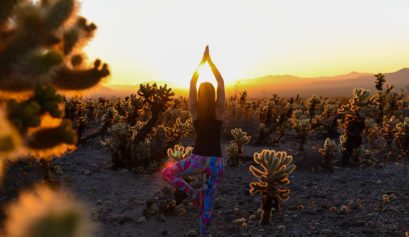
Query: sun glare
206	75
163	41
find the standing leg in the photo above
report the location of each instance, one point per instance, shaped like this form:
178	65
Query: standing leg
213	174
189	165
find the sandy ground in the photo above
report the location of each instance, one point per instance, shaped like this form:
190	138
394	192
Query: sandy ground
346	203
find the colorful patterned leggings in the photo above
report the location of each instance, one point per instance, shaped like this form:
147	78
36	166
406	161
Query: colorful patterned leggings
212	166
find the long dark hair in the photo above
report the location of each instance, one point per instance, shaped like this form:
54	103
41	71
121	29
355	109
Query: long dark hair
206	102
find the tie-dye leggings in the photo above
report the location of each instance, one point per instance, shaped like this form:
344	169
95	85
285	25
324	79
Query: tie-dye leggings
212	167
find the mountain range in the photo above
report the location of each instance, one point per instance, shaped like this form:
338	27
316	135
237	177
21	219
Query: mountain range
286	85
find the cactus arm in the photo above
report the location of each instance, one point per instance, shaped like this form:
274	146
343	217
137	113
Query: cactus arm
71	79
256	172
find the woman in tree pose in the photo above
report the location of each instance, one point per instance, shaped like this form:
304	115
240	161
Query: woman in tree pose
206	158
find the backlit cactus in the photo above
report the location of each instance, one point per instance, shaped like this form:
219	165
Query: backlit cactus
179	152
328	153
388	130
125	151
313	102
273	115
43	212
235	148
301	124
40	53
402	137
175	133
274	172
360	106
327	120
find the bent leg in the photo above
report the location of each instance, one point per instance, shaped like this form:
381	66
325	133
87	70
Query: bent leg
190	165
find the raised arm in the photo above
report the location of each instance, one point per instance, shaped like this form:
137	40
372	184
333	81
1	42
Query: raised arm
221	97
193	95
193	88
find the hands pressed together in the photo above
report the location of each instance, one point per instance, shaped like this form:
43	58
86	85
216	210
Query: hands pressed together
206	58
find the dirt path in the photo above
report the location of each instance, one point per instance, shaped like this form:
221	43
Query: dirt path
347	203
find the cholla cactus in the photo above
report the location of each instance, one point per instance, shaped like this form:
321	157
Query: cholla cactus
133	105
40	51
327	120
41	43
402	137
240	138
175	133
40	57
359	107
302	126
235	149
388	130
276	167
125	152
312	106
233	154
179	152
47	213
372	133
274	115
328	153
157	99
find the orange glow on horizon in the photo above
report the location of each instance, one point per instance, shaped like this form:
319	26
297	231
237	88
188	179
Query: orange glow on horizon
163	41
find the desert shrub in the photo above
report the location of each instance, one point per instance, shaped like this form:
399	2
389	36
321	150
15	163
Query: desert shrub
235	150
276	167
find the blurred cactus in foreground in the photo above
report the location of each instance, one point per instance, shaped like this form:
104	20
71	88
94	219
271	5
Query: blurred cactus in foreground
43	212
276	167
40	53
235	148
41	57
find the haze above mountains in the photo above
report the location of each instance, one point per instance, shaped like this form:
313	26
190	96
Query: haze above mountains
286	85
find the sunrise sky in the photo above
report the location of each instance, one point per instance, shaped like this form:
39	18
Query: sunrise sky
163	40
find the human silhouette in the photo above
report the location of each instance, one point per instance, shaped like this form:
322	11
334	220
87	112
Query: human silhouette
207	115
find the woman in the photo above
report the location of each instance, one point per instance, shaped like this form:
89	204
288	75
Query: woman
207	115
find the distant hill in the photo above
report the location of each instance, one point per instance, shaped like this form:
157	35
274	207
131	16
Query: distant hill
285	85
326	86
